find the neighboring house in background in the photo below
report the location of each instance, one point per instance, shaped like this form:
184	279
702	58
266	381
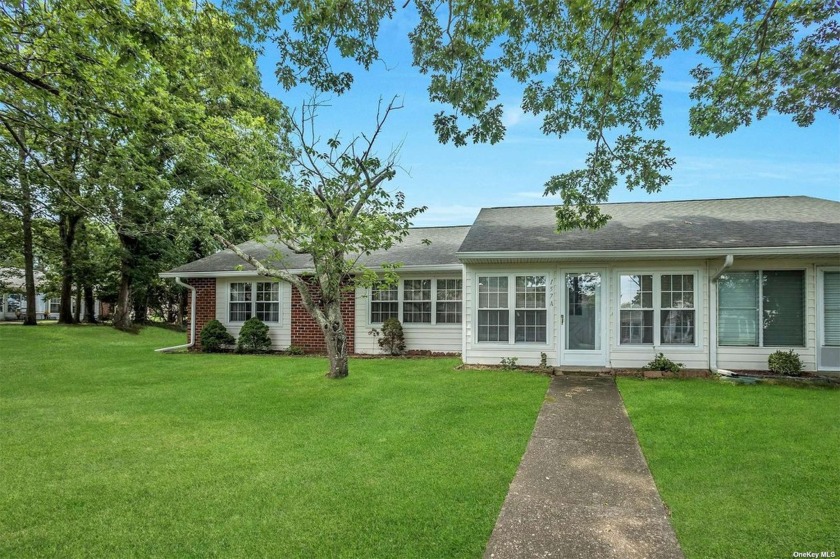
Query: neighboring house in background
13	297
710	283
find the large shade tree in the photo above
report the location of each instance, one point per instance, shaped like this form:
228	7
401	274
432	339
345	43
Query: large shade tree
590	65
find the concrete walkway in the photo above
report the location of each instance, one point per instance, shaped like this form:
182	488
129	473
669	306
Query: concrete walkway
583	488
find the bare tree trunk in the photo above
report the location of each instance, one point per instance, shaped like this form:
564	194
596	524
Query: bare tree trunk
335	336
77	308
31	318
90	310
68	225
122	310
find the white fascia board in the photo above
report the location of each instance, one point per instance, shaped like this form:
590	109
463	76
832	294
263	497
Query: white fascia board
251	273
649	253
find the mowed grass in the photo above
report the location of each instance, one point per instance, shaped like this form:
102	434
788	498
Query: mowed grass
746	471
110	450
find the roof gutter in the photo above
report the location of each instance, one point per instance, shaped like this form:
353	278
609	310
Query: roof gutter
645	253
727	263
192	321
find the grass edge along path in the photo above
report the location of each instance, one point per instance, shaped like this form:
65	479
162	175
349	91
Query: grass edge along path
746	471
111	450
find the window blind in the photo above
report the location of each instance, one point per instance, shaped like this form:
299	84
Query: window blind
831	301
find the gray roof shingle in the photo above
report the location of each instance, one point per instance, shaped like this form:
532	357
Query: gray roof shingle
412	251
694	224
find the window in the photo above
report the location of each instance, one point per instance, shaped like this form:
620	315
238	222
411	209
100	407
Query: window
677	309
448	305
493	314
530	319
260	299
55	306
525	308
831	309
268	301
240	301
384	303
417	301
657	308
637	309
762	308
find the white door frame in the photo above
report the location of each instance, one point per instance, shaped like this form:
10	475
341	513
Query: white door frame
585	357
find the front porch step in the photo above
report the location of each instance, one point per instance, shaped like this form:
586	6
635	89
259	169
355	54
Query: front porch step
582	371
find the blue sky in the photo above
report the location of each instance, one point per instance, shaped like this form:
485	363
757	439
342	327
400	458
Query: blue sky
772	157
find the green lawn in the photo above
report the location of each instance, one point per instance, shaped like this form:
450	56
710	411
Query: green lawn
747	471
110	450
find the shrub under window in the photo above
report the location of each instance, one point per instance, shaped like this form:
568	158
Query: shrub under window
253	337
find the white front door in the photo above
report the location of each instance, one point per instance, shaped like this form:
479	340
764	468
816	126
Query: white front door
828	319
582	320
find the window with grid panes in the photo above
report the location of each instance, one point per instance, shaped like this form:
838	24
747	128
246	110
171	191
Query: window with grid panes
267	305
240	302
449	301
493	316
417	301
384	303
530	310
636	309
676	309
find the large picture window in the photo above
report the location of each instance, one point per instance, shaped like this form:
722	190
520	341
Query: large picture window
248	298
762	308
657	308
525	308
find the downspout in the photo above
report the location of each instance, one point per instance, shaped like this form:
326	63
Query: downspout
727	263
192	321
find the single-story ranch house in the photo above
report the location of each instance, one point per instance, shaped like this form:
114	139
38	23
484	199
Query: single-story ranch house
710	283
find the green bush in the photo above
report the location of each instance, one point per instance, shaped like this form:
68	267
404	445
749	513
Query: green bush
785	363
253	337
662	363
392	338
295	350
214	336
509	363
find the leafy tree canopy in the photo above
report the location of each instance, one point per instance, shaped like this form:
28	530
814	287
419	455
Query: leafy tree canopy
589	65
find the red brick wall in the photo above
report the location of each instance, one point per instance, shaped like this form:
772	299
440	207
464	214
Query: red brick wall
205	304
305	331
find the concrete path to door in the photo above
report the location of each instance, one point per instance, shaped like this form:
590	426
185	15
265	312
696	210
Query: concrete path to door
583	488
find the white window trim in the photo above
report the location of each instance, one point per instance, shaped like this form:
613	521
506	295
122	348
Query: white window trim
401	299
511	308
657	306
254	300
759	323
821	270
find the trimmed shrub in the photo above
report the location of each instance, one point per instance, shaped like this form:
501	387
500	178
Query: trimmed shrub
785	363
214	336
253	337
392	338
295	350
662	363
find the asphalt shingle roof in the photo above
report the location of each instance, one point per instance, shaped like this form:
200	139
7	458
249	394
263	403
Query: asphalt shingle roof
412	251
695	224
